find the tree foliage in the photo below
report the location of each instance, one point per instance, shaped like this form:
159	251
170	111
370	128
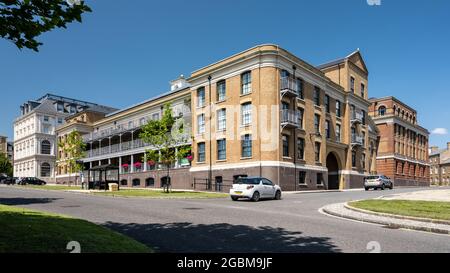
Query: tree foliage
5	165
163	136
74	149
21	21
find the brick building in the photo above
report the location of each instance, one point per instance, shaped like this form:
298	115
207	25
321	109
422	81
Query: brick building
403	145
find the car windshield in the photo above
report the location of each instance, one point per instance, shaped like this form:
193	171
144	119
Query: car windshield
249	181
372	177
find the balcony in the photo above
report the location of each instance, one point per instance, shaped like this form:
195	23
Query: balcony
290	118
357	140
288	87
356	117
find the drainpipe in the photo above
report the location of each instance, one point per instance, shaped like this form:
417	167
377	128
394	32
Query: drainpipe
295	137
210	135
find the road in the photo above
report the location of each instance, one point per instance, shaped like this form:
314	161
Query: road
292	224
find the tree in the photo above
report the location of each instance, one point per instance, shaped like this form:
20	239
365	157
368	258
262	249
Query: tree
163	136
5	165
21	21
73	147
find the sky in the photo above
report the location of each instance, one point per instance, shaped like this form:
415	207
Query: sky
128	51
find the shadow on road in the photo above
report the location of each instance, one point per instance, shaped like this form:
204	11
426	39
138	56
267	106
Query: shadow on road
26	201
188	237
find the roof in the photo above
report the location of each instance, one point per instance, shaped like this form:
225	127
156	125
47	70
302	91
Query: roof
337	61
104	167
147	101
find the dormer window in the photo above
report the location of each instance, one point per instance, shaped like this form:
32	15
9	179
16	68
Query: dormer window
60	107
72	109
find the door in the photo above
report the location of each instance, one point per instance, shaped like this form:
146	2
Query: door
269	188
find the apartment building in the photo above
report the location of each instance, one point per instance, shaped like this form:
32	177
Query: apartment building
266	112
403	148
440	166
35	137
114	140
82	122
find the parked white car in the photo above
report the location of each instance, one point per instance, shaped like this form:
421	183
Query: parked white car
255	188
378	182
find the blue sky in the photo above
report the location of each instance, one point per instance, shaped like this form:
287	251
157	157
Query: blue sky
128	51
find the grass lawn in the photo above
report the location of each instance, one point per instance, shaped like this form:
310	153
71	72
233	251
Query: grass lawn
52	187
30	231
161	194
424	209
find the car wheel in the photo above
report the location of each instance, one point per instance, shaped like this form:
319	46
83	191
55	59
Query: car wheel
383	187
278	195
366	188
392	186
234	198
255	196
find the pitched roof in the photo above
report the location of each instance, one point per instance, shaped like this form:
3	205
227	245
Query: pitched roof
342	60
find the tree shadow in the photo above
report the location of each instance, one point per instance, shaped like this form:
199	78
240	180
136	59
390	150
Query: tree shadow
222	237
26	201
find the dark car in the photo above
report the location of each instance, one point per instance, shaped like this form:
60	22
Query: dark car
31	181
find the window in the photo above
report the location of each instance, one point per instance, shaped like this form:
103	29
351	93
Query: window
300	92
46	147
246	83
327	103
201	97
72	109
338	108
316	95
317	151
221	90
338	132
201	152
60	107
320	179
201	123
317	123
300	148
353	159
155	116
300	117
352	84
363	139
363	161
246	113
246	144
302	178
60	120
136	182
363	113
285	145
150	182
46	118
221	149
221	120
363	90
381	111
327	128
45	170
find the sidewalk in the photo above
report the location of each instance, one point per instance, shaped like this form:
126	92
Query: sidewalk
428	195
393	221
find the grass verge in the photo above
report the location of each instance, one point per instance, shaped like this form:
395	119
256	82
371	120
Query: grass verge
424	209
32	231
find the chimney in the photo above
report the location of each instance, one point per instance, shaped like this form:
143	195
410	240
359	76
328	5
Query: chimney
434	149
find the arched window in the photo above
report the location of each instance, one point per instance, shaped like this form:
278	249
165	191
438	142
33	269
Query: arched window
45	169
45	147
136	182
124	182
150	182
381	110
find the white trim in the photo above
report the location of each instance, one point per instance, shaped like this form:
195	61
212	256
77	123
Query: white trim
257	164
351	172
403	159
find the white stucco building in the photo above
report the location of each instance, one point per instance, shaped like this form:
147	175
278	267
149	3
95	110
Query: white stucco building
34	134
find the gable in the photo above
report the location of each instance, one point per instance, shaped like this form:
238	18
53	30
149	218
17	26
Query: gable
357	59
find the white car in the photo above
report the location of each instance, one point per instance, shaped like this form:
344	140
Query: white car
254	188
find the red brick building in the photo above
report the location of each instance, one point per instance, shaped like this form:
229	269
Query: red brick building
403	145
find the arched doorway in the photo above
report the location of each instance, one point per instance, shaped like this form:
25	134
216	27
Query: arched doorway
333	172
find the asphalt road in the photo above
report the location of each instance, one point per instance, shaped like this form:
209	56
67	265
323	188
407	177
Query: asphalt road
292	224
